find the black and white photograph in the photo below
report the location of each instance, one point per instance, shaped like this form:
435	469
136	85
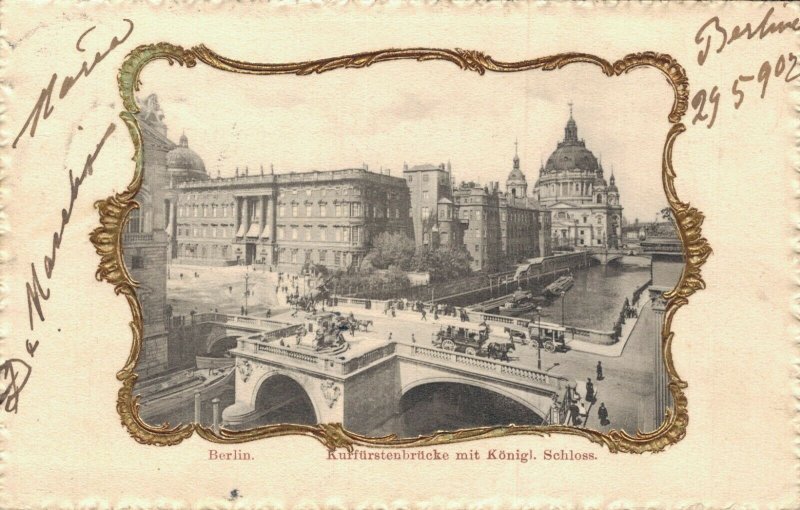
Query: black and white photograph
403	250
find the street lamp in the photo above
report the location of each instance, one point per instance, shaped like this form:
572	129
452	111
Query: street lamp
563	322
246	291
539	338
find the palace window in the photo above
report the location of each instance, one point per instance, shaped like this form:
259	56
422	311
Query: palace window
425	178
337	210
425	213
424	195
323	255
281	210
410	178
294	233
308	233
294	210
323	210
337	258
281	232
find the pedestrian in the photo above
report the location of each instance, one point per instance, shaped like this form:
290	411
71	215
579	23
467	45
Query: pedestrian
589	390
436	313
424	314
574	413
602	413
599	371
390	336
413	339
394	312
242	310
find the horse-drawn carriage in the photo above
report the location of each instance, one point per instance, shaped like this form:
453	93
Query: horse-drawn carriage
472	342
551	337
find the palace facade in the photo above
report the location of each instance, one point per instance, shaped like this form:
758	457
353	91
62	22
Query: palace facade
288	220
586	210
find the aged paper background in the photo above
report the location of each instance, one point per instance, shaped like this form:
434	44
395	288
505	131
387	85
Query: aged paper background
734	342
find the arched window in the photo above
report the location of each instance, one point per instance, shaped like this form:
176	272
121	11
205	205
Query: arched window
599	199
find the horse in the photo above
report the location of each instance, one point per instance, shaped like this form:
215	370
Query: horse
363	325
500	351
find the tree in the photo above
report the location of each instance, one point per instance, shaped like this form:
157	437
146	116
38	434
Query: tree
392	249
443	263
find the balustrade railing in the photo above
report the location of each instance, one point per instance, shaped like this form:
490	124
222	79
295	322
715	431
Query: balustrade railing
484	364
129	237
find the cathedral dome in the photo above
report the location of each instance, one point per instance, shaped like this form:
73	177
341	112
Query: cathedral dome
184	158
571	153
570	157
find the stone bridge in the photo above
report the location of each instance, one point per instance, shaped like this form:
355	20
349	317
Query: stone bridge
223	330
366	390
604	256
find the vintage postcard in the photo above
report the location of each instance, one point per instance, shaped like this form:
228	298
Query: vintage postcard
511	255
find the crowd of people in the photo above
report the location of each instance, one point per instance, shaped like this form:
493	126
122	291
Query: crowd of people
436	310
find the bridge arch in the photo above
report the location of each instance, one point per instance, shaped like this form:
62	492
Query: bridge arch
477	384
287	380
219	344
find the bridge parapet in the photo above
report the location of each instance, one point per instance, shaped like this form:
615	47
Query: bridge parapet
310	360
542	380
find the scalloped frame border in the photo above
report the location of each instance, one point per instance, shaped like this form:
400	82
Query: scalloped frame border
114	211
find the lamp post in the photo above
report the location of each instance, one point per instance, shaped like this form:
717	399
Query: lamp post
539	337
563	322
246	291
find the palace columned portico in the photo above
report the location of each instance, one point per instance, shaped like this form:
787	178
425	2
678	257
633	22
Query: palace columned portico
254	226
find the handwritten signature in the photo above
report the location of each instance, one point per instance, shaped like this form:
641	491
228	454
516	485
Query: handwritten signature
36	292
43	109
706	103
14	373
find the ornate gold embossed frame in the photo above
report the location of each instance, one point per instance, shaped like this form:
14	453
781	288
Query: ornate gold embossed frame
115	209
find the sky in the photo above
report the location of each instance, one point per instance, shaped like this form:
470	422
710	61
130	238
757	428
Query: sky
421	112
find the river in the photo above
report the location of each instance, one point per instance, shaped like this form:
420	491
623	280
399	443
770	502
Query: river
596	298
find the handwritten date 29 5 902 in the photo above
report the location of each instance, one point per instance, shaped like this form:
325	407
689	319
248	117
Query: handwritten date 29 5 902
706	104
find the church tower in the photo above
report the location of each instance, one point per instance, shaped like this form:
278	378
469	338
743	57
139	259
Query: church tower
516	184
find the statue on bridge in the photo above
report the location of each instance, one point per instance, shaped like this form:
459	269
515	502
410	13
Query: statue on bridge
329	337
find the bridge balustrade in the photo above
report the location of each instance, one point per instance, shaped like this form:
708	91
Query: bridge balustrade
555	382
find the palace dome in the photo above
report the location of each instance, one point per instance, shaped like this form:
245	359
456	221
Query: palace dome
184	158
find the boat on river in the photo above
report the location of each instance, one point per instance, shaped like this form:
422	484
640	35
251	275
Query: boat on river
520	303
170	391
558	287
